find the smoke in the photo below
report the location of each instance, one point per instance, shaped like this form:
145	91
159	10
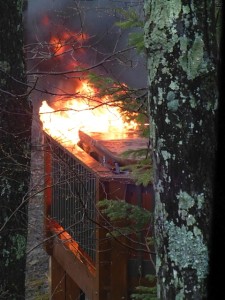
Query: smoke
47	18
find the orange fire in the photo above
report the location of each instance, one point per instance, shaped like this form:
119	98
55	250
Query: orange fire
64	41
81	113
86	111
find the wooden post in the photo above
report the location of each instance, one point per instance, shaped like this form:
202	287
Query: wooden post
103	249
73	291
58	281
119	256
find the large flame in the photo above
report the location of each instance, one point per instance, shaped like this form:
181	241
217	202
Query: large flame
86	111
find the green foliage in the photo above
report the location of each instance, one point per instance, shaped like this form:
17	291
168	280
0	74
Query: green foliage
136	39
146	292
134	109
142	171
131	21
105	85
136	218
130	219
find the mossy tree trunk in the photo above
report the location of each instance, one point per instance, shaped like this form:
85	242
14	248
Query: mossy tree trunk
180	39
15	136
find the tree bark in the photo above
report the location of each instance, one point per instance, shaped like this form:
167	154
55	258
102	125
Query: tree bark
180	39
15	133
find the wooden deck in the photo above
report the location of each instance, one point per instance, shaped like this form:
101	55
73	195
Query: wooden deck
114	271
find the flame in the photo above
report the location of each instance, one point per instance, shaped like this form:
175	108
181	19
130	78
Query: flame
86	111
62	42
80	113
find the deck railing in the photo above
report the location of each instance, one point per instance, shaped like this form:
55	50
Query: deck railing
73	198
77	240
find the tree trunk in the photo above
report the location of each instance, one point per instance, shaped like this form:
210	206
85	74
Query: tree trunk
180	39
15	133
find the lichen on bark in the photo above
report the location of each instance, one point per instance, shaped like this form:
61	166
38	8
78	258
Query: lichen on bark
192	58
183	96
186	249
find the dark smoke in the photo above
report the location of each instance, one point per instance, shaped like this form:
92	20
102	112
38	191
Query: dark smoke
45	18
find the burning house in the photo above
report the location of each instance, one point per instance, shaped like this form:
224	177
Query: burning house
85	257
85	136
